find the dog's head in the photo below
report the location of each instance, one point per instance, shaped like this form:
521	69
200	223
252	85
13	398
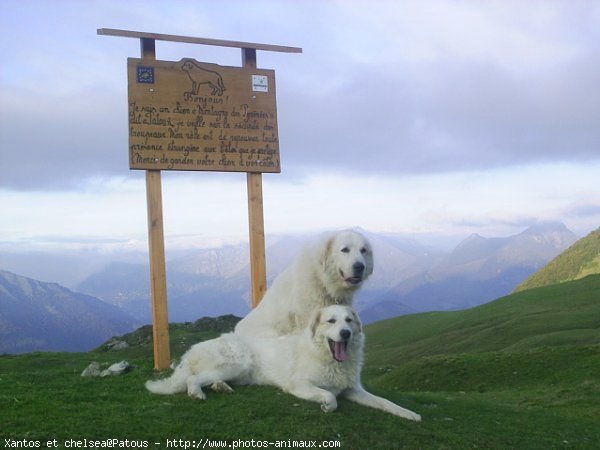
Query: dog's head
337	328
187	65
347	260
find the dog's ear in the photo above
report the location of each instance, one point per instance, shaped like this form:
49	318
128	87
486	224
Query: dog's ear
314	323
325	252
357	320
370	264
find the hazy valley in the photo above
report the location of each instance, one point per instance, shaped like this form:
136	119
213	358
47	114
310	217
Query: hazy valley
409	277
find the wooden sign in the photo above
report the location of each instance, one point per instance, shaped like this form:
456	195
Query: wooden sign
189	115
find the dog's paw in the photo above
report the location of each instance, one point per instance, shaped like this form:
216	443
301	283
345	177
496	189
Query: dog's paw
416	417
328	403
221	387
197	393
406	414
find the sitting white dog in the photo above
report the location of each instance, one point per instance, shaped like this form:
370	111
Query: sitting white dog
328	272
317	365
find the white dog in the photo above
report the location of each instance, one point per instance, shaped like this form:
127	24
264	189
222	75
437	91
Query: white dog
326	273
317	365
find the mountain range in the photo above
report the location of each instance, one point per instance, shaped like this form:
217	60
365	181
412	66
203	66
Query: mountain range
408	277
37	316
477	271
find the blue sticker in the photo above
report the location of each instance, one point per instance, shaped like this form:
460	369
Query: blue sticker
145	75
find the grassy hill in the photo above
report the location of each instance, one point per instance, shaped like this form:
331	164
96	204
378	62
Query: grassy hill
564	314
521	372
531	340
578	261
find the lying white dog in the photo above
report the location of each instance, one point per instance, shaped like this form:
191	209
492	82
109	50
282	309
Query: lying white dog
316	365
326	273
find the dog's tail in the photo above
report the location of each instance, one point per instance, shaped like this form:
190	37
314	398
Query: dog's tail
174	384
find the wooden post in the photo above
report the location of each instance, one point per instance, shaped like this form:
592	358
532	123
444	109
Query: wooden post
156	240
258	265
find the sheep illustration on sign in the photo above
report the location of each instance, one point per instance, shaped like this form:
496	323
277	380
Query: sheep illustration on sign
200	76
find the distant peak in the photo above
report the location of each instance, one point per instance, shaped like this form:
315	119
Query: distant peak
542	227
473	238
555	234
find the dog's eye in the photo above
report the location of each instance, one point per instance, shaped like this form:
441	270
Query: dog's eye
332	320
363	250
345	250
348	320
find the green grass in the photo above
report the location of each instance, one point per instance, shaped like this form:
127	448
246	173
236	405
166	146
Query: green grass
520	373
43	397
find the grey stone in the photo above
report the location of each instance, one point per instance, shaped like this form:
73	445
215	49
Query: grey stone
117	369
93	370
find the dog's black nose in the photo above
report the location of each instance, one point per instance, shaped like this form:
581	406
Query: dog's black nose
358	267
345	334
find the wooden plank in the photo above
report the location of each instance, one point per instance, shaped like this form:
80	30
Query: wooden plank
196	40
160	321
249	57
148	48
156	242
258	268
258	263
160	310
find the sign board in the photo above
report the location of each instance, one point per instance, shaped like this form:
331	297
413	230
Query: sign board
189	115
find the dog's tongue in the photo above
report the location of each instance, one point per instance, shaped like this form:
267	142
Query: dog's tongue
339	351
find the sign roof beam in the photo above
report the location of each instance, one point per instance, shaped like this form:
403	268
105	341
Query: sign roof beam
197	40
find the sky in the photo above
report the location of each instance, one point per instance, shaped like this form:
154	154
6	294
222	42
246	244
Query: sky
447	117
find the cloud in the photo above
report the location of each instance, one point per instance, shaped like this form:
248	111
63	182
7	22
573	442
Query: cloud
468	116
584	210
389	88
56	142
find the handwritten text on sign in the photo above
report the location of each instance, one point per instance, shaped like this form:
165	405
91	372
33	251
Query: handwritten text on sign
188	115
